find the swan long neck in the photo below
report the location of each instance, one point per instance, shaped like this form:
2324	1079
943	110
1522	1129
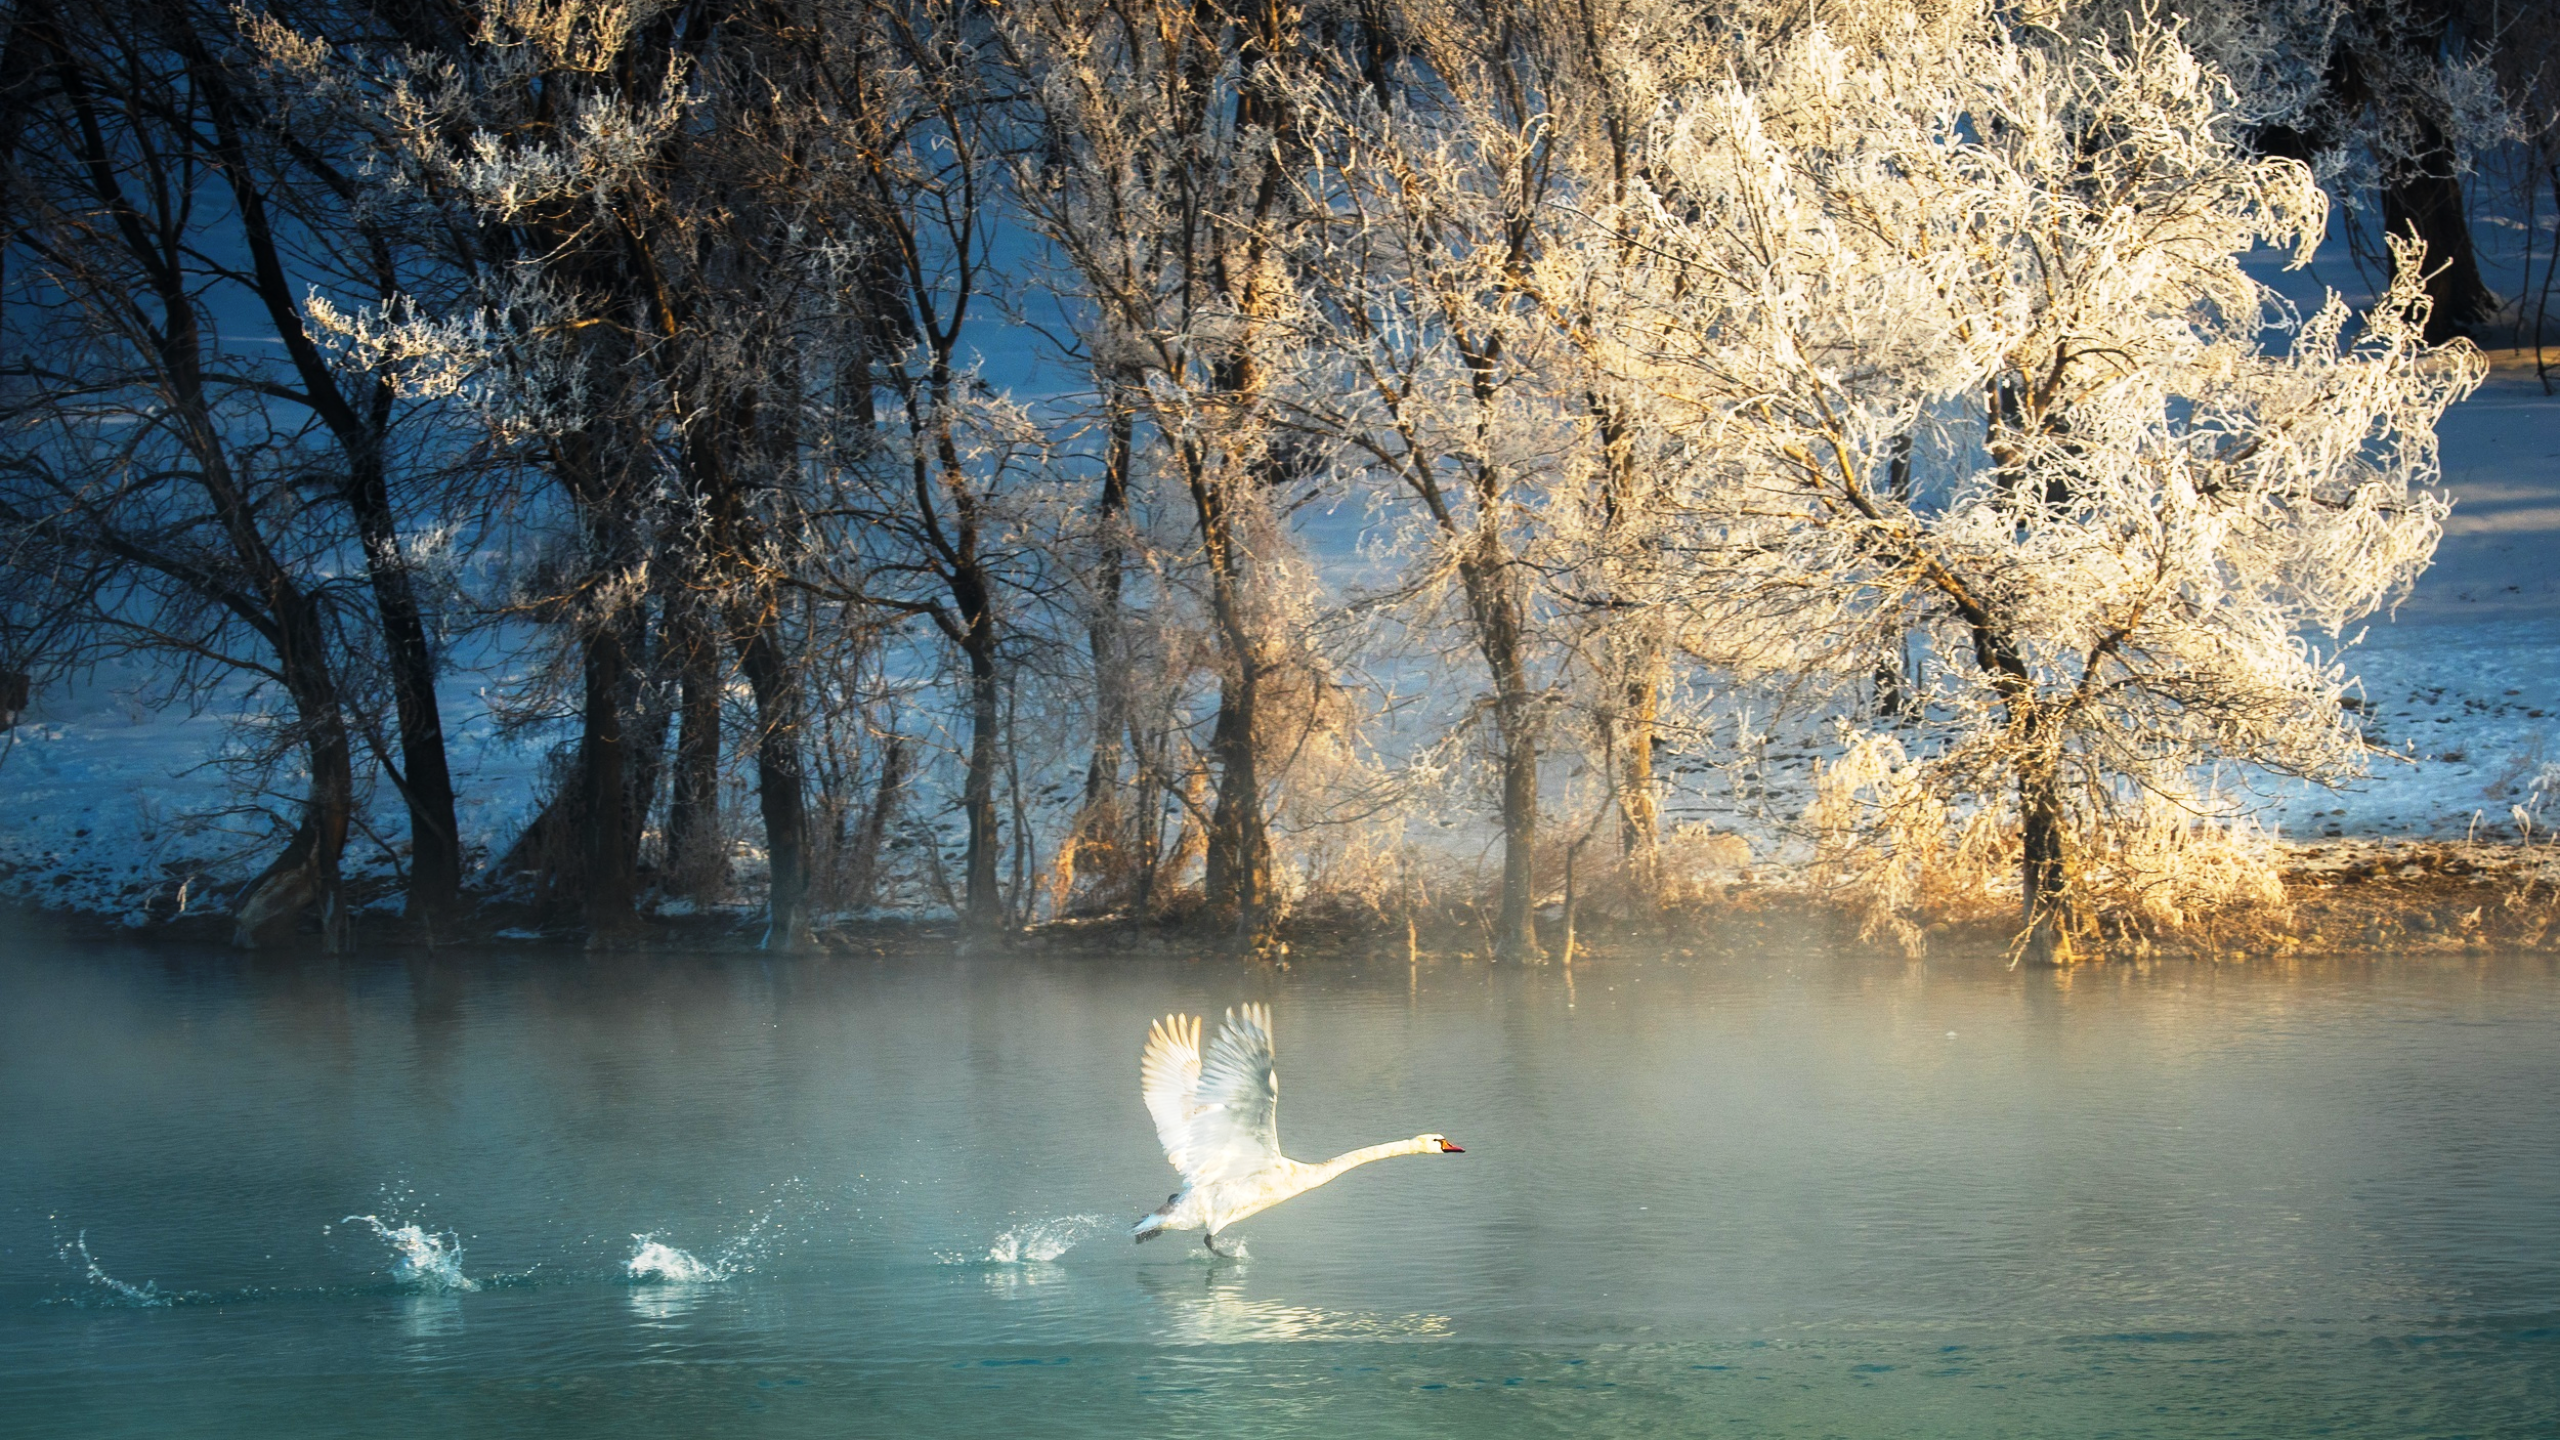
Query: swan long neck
1353	1159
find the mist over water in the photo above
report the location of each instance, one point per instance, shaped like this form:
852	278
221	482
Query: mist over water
543	1195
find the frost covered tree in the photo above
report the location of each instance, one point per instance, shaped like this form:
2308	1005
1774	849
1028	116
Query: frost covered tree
2144	484
1167	177
533	137
2392	100
1422	359
1675	341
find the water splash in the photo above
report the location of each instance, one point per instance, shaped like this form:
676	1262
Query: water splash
427	1262
656	1263
107	1291
748	1249
653	1261
1036	1242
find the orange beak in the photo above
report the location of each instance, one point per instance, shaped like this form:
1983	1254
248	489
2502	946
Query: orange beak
1448	1149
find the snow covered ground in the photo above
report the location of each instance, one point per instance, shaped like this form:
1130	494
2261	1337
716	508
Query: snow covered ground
2464	681
111	809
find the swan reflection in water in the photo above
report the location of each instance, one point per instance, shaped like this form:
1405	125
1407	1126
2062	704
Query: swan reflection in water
1219	1312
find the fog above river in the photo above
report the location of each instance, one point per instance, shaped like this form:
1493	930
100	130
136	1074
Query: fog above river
2242	1185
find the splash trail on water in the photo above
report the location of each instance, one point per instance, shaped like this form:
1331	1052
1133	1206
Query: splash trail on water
653	1261
1035	1242
108	1291
424	1261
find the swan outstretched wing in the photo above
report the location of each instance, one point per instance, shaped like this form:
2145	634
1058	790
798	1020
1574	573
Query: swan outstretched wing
1169	1078
1234	1127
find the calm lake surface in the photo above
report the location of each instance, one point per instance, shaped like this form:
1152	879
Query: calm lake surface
1798	1197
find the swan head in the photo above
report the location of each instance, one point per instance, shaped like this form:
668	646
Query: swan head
1439	1143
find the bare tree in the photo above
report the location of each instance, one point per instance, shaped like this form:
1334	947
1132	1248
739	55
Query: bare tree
305	222
908	90
1166	179
163	463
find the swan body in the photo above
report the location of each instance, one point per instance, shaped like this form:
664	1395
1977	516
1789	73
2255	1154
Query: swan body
1218	1116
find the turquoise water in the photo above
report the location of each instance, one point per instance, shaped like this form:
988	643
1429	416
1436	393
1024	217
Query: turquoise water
887	1195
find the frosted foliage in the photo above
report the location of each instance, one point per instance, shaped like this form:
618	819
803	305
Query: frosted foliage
1671	353
1171	217
2137	480
2158	860
530	124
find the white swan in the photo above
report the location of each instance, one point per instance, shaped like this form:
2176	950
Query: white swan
1219	1122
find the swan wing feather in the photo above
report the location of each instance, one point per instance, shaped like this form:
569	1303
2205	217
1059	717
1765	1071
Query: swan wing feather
1169	1079
1234	1131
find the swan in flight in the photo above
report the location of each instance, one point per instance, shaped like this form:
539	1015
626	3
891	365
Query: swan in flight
1219	1121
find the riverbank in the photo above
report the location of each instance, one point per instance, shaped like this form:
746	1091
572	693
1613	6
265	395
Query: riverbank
2344	896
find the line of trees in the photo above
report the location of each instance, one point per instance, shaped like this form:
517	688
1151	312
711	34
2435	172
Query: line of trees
1650	346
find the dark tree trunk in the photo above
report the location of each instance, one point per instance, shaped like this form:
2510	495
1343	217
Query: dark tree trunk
864	879
696	862
608	833
1894	700
307	875
1515	934
2421	193
593	464
608	865
2427	202
1237	841
1636	719
1639	802
2047	915
982	896
779	789
1146	818
1237	876
1498	624
426	780
647	704
1102	634
969	623
1102	841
